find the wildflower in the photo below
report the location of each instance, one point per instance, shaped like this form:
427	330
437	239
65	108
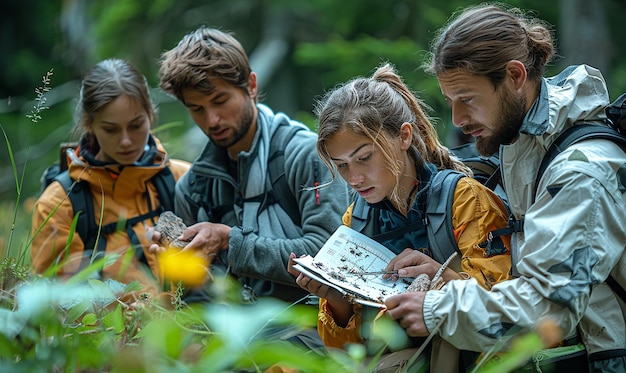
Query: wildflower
183	266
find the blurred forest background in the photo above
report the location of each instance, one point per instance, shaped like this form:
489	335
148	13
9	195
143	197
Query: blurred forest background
298	48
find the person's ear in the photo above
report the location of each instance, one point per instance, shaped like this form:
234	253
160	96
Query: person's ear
516	74
252	85
406	135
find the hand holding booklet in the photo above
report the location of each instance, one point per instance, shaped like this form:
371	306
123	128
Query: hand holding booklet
353	264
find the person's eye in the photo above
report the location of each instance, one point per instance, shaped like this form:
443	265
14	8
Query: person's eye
136	126
195	109
341	165
220	102
365	158
108	129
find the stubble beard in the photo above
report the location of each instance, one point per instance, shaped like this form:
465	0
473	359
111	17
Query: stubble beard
244	122
508	123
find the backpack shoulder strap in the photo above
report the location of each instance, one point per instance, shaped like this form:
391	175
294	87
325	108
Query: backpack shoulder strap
82	204
281	193
165	185
574	135
439	214
364	218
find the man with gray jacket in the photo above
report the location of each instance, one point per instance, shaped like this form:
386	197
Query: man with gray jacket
244	199
489	62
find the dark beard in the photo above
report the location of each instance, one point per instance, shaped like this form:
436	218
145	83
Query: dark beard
245	122
509	121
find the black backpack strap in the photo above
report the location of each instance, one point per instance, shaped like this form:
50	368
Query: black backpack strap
616	113
82	204
439	214
575	134
280	191
165	185
128	225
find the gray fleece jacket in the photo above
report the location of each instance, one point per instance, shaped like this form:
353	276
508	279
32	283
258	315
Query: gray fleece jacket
263	233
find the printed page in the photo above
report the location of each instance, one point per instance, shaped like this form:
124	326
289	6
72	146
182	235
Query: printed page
343	258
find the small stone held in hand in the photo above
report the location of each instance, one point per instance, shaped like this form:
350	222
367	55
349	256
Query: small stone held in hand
171	227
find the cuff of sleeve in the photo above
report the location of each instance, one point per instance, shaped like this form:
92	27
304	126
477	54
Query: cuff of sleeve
334	335
431	299
464	275
235	241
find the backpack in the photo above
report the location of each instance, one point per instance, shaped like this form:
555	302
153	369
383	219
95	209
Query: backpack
438	211
82	203
280	192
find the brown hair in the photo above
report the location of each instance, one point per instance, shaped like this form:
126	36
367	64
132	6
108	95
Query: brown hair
377	107
200	56
106	81
483	39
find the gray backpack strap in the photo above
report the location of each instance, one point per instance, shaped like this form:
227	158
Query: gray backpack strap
439	215
364	218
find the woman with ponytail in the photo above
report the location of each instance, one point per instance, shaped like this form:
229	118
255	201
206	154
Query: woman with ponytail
375	134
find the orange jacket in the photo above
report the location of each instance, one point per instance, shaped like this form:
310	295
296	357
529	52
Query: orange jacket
116	196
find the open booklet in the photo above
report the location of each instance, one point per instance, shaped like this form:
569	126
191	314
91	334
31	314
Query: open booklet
349	262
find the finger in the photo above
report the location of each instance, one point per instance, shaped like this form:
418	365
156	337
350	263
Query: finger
413	271
290	264
153	235
302	281
156	249
149	232
393	264
392	302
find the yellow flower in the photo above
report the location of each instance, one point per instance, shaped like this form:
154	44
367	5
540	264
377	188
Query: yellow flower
184	266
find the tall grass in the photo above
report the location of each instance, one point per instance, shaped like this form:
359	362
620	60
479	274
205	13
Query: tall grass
35	117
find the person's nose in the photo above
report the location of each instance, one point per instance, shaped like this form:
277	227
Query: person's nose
125	140
459	115
212	119
355	178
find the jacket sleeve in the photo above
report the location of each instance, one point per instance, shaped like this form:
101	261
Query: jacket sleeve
320	210
476	212
333	335
573	238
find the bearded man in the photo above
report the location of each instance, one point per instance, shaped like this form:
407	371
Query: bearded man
490	62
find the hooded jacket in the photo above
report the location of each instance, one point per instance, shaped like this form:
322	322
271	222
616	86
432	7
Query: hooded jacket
118	192
261	239
573	230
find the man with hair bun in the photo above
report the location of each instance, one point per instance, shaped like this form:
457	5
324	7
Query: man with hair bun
490	61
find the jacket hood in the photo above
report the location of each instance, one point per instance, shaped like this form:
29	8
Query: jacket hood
578	93
115	177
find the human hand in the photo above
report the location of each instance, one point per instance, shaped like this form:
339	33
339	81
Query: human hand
154	236
406	308
207	238
313	286
411	263
340	307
